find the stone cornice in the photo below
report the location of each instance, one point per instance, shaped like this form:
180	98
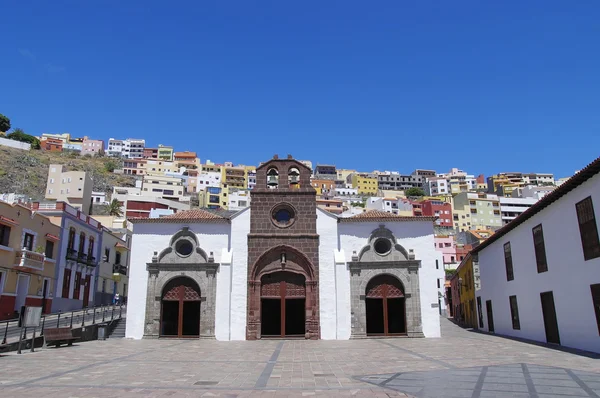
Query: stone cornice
155	268
410	265
283	235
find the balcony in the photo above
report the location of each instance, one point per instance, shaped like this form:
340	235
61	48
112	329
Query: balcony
71	254
29	259
91	261
119	269
82	258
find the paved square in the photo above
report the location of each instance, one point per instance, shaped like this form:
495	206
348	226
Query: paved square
460	364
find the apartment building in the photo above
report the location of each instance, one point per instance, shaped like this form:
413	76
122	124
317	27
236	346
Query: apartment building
214	198
503	184
78	255
251	178
211	167
532	192
342	174
234	177
335	206
165	152
238	200
399	206
540	276
91	147
130	148
165	187
436	186
207	179
65	138
72	187
325	172
28	254
476	210
511	208
392	180
113	267
135	166
115	147
439	209
142	206
150	153
366	184
160	167
323	187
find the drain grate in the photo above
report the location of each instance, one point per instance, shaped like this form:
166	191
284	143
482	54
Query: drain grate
206	383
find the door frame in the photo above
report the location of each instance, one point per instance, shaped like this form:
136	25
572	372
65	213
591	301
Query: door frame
282	297
18	291
550	294
385	309
490	316
180	301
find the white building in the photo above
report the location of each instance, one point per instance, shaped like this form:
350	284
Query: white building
208	179
129	148
540	274
532	192
99	198
511	208
400	206
436	186
238	200
330	278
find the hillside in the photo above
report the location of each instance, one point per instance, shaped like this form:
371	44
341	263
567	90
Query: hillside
26	172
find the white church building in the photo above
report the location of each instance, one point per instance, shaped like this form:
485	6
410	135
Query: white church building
284	268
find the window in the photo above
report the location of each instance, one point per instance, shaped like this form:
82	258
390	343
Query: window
103	285
66	283
452	259
588	229
437	264
4	234
71	244
447	244
508	262
49	252
540	249
117	257
440	245
514	312
438	283
91	248
595	300
81	243
28	241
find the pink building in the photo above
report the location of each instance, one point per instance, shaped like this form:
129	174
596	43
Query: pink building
445	245
91	147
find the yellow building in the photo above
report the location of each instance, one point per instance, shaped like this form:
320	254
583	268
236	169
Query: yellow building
366	184
235	177
210	166
342	174
465	310
165	152
214	197
29	244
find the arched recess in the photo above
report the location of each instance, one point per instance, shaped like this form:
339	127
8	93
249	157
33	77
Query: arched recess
289	295
383	255
385	306
183	258
180	308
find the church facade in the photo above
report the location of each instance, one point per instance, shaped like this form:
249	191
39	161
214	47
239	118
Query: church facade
284	268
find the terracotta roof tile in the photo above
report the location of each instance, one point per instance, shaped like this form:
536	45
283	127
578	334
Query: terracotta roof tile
378	215
194	215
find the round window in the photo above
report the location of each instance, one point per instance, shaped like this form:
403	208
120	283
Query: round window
184	247
283	216
382	246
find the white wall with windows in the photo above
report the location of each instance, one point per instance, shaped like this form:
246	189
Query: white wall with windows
571	277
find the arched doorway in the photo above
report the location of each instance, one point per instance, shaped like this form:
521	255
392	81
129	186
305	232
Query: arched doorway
180	309
283	301
385	306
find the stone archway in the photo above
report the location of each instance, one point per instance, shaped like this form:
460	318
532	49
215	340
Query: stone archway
282	283
180	308
385	306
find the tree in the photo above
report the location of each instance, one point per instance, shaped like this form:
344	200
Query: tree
4	123
20	135
414	192
114	208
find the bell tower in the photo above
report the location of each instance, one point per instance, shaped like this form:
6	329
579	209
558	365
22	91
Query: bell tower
283	253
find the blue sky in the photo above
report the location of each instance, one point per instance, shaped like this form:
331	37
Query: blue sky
395	85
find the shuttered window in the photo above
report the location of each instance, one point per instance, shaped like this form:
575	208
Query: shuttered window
508	262
588	229
540	249
514	312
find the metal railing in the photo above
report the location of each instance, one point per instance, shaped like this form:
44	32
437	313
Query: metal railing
12	332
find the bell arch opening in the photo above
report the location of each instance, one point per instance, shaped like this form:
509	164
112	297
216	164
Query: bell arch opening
385	306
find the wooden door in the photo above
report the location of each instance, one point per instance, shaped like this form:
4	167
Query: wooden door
596	301
66	283
387	295
289	290
44	296
86	291
490	316
77	287
550	320
181	295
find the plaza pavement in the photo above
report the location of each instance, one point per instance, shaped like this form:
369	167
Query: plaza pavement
460	364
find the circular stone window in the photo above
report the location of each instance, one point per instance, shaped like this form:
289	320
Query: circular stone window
382	246
283	216
184	248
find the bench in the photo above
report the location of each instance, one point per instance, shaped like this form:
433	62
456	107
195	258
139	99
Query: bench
58	336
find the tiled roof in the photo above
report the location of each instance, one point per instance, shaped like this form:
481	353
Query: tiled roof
585	174
378	215
194	215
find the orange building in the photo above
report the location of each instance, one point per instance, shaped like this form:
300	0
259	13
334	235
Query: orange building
51	144
323	187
